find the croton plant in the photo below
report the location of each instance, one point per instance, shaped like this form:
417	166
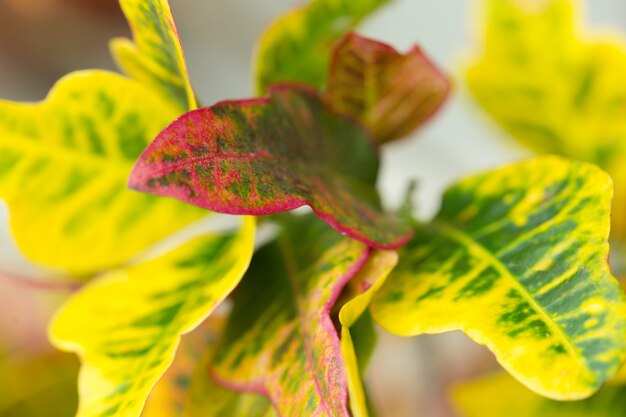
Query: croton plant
148	203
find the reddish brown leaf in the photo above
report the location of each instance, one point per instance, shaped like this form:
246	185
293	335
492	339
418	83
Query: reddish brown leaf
391	93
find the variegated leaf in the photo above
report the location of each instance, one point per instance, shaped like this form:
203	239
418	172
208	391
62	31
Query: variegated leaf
127	324
155	58
64	164
187	389
517	259
297	46
391	93
170	396
268	155
500	395
360	292
208	399
553	89
280	340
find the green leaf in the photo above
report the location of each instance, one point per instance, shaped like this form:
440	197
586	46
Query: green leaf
517	259
280	339
553	89
156	57
391	93
297	46
500	395
64	164
269	155
126	325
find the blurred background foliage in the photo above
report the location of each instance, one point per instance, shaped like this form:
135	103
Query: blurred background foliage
41	40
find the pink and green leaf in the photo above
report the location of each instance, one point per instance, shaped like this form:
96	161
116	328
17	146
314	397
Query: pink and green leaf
156	56
391	93
280	340
268	155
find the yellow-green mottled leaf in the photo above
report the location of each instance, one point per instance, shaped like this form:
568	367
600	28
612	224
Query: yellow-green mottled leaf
360	292
64	164
208	399
517	259
156	56
187	389
170	395
553	89
127	324
502	396
298	45
280	339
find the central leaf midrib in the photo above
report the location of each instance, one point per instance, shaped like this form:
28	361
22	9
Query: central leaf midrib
468	241
303	165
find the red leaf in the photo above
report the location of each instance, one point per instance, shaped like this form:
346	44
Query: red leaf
273	154
391	93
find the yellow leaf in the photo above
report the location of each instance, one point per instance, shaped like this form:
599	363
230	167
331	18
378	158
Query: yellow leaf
517	259
156	57
553	89
64	164
361	290
126	325
502	396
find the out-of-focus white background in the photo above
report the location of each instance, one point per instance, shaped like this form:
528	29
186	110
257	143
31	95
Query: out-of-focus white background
42	39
